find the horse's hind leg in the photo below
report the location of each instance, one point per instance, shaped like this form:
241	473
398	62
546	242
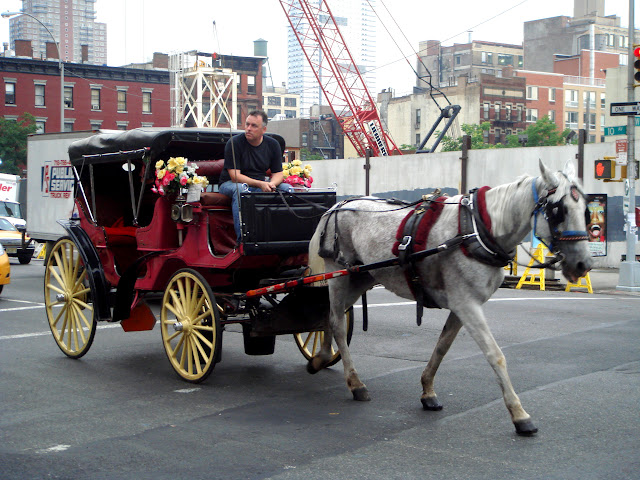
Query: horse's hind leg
475	323
451	328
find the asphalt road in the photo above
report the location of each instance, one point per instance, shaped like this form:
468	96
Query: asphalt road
121	413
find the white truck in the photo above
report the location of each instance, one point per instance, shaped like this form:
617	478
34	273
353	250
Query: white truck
10	207
50	184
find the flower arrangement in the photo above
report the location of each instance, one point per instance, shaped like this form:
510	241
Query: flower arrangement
175	174
297	175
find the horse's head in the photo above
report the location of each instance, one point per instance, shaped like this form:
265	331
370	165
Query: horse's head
560	219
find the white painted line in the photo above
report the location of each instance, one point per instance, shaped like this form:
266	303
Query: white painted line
187	390
400	304
40	334
54	449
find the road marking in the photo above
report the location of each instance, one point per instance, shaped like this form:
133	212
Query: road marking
54	449
375	305
187	390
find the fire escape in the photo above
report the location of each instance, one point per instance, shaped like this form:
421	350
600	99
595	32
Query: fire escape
338	76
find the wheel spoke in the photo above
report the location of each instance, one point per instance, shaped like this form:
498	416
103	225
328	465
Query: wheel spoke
82	316
195	348
204	340
62	310
176	307
204	314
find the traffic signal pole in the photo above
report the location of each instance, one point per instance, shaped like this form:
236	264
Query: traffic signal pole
629	279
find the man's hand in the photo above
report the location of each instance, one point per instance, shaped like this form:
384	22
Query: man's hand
268	186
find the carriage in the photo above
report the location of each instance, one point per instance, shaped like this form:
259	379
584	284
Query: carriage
127	247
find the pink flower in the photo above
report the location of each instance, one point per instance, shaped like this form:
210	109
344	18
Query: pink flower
183	180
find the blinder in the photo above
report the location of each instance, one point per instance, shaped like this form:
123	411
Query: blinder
555	214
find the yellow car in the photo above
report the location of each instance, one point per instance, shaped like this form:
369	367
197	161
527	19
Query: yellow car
13	242
5	268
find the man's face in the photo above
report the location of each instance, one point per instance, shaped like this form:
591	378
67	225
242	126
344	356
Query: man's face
253	128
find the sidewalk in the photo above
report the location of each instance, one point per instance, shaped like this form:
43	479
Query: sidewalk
603	280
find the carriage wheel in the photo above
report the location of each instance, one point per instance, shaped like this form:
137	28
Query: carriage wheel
310	343
68	299
190	325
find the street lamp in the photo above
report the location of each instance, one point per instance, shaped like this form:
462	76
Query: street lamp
60	64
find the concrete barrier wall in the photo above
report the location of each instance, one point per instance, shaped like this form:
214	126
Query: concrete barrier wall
409	176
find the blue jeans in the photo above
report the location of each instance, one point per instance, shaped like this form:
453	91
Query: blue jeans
233	190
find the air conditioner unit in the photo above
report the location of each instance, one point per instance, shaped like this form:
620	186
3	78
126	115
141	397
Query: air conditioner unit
95	107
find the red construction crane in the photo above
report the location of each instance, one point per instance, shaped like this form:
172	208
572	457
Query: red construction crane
338	76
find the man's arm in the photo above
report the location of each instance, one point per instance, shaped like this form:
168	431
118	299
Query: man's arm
238	177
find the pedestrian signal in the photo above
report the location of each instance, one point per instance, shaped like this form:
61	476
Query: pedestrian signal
605	169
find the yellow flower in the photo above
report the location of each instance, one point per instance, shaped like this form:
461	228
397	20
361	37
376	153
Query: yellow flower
308	167
160	173
159	164
175	163
285	172
295	170
307	172
179	169
297	162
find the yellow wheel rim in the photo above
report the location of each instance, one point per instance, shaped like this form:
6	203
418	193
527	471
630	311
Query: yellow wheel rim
310	343
67	297
190	326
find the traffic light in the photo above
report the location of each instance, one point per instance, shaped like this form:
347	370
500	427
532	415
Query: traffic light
636	65
605	169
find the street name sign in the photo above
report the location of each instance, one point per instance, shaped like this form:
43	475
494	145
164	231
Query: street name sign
625	108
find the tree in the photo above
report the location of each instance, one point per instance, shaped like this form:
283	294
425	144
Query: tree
305	154
543	133
475	131
13	142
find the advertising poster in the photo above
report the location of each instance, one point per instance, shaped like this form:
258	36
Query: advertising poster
597	226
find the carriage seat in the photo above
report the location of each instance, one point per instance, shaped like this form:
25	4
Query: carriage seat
119	234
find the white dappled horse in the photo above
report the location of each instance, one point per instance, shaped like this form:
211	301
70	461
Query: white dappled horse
366	230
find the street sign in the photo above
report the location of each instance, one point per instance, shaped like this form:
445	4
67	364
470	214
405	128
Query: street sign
625	108
621	151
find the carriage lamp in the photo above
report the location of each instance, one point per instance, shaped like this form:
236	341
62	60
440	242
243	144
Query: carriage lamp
182	212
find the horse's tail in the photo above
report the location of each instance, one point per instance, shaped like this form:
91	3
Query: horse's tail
316	262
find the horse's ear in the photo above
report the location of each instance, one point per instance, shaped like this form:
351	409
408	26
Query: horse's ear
548	176
570	171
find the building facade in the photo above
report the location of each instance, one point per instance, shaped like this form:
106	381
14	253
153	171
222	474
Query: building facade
589	28
357	23
71	22
447	63
95	97
279	103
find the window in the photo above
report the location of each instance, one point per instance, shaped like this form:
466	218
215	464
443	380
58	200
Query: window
532	114
458	59
239	84
274	101
290	113
122	125
552	115
602	120
485	111
40	126
603	102
272	112
507	112
122	101
251	84
571	98
520	61
552	95
68	101
304	139
532	93
496	109
146	102
95	99
592	120
290	102
505	59
487	58
68	126
497	135
39	95
589	97
9	93
417	144
571	120
418	117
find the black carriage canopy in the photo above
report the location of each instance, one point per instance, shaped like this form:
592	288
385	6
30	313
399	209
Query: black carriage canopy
161	143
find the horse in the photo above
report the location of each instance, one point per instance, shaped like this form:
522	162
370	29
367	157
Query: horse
362	231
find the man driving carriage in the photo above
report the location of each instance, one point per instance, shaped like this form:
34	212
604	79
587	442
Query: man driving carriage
247	159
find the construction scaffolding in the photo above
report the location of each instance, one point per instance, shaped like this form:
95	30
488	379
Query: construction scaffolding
203	94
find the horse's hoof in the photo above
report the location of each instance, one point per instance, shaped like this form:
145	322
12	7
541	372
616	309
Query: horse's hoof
525	427
311	369
431	403
361	394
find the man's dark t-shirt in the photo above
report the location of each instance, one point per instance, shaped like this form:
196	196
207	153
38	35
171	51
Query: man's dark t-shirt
251	161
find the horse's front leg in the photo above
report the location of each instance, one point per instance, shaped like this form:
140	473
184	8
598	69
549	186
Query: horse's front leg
451	328
474	321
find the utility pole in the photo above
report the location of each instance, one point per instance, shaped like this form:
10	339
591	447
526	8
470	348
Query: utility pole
629	279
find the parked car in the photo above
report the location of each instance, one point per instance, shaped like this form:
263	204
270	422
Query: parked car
5	268
13	242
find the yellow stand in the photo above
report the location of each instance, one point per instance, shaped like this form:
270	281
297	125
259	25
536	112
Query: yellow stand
530	278
583	282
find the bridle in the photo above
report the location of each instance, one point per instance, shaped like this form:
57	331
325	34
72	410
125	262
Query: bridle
554	214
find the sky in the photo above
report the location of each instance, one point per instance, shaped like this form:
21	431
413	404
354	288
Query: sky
137	28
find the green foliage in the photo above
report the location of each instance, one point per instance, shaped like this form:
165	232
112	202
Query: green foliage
543	133
13	142
476	132
305	154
